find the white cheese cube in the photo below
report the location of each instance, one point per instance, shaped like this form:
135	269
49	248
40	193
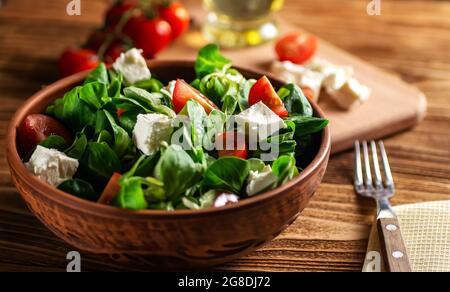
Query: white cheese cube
300	75
259	122
150	130
318	73
318	64
52	166
288	70
312	80
350	94
336	77
133	67
260	181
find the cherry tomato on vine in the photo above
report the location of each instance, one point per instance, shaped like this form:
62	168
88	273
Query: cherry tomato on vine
77	60
177	16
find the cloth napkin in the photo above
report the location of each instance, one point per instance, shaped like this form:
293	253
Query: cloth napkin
426	231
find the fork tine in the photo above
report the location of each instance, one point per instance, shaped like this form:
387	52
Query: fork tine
368	172
387	169
376	165
358	165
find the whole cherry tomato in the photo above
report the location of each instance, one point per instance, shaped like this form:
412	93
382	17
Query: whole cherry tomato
77	60
177	16
36	128
150	35
296	47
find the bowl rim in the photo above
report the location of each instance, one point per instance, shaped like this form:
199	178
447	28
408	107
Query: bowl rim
58	196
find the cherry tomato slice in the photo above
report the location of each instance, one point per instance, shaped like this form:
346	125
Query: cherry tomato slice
183	92
232	144
296	47
264	91
111	189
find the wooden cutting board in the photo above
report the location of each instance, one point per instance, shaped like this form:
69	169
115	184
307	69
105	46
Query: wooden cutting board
394	105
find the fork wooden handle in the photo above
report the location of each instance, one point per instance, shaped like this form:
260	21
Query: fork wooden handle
393	247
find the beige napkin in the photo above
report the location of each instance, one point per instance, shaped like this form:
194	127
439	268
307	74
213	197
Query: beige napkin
426	231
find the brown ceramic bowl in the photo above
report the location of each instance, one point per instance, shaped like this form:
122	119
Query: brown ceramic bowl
180	239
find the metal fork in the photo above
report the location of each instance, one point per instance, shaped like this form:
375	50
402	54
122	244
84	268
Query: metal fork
392	243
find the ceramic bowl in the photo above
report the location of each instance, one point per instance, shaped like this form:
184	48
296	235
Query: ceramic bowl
181	239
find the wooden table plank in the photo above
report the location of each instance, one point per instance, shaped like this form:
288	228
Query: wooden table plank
411	39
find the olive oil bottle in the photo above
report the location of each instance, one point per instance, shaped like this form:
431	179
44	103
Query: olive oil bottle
241	23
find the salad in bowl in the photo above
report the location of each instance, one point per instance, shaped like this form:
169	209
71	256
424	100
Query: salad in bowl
125	139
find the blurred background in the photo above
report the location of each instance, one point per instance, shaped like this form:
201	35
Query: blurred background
402	39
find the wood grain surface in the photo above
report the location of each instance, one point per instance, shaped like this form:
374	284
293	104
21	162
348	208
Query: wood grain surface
410	38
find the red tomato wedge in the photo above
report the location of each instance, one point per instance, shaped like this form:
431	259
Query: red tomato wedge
231	144
183	92
264	91
36	128
111	190
296	47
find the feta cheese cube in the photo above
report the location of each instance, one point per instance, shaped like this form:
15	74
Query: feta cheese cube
336	77
133	66
300	75
318	73
260	181
259	122
312	80
52	166
318	64
350	94
150	131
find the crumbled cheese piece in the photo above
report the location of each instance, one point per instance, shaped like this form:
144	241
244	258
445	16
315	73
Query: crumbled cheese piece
350	94
260	181
318	73
133	66
52	166
150	130
259	122
225	199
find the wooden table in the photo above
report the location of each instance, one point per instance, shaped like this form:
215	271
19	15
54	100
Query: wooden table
411	39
